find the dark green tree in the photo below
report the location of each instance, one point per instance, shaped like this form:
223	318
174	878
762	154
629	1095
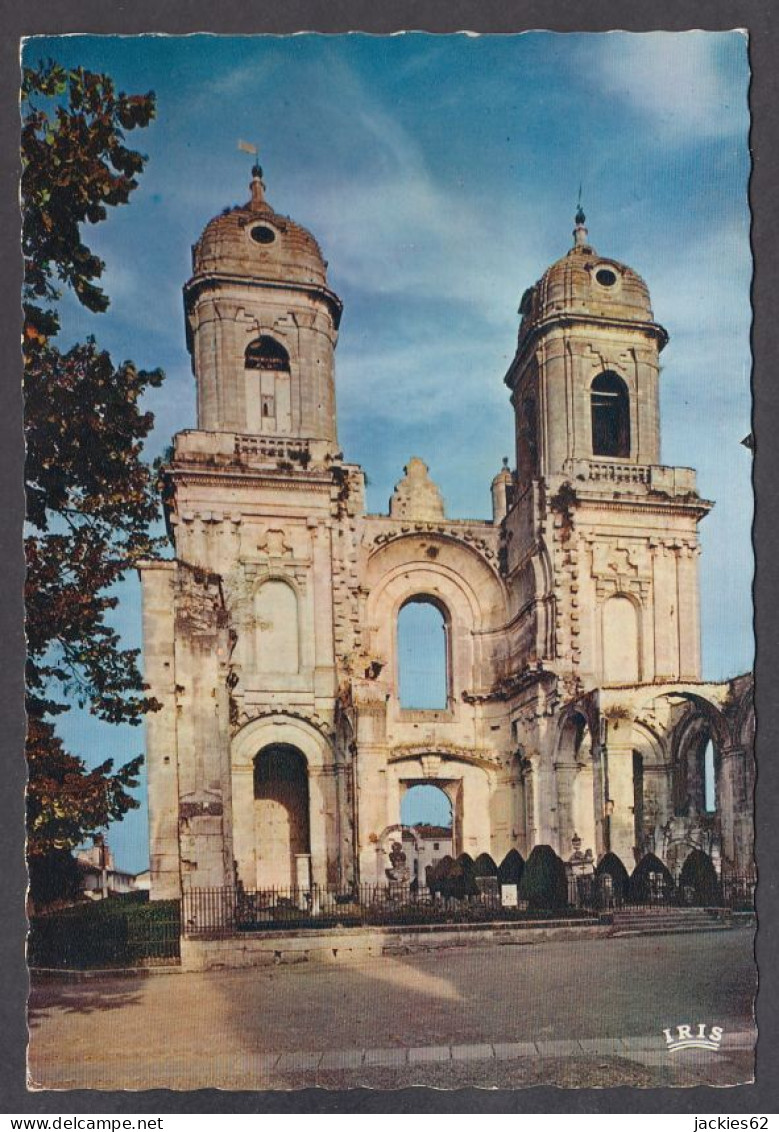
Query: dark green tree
543	883
90	496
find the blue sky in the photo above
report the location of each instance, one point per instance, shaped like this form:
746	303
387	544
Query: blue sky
440	175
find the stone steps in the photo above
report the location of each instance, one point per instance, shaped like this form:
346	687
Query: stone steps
638	921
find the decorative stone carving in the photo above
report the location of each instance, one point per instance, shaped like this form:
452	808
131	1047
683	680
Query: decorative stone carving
274	543
416	496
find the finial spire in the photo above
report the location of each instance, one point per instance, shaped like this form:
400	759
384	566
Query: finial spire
580	233
257	186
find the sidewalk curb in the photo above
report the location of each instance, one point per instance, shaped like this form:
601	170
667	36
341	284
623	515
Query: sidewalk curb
72	975
395	1056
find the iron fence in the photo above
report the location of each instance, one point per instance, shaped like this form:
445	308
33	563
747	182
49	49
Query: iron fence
732	892
224	911
210	912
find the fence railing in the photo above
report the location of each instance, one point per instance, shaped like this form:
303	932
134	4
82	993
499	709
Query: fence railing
733	892
226	911
223	911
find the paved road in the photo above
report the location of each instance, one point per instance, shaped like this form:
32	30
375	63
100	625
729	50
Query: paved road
237	1028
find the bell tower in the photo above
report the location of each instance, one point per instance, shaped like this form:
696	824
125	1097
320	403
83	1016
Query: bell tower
584	381
240	625
262	326
602	540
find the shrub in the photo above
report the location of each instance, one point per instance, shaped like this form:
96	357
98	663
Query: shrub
120	931
461	881
511	868
437	874
699	874
640	888
611	865
544	883
484	866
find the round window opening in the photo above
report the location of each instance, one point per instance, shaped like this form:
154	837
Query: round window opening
605	277
263	235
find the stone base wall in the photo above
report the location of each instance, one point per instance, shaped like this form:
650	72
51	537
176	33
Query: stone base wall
267	949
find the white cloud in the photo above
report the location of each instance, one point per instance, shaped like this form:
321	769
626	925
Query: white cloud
674	79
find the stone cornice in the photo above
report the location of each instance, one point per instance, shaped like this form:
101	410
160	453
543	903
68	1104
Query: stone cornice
445	752
217	279
568	319
639	504
232	476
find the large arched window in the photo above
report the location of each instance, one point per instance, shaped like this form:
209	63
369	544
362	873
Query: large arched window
696	768
610	403
268	396
423	656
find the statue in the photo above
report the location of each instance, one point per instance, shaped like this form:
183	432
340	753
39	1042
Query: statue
398	872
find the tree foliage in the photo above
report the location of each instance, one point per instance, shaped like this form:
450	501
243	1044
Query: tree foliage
90	496
543	883
75	165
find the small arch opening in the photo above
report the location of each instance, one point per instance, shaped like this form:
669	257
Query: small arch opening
423	655
528	456
610	405
709	779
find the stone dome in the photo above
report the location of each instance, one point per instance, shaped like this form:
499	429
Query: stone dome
253	241
585	284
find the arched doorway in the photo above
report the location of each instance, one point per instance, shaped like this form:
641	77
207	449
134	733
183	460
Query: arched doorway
281	817
426	811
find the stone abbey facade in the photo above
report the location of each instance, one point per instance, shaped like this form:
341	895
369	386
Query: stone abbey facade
574	703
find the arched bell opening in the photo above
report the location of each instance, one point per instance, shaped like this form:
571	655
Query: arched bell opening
610	412
268	390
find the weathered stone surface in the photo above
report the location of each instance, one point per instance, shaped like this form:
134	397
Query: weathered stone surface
574	708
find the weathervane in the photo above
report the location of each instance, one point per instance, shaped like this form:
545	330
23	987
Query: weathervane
580	232
580	217
249	147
